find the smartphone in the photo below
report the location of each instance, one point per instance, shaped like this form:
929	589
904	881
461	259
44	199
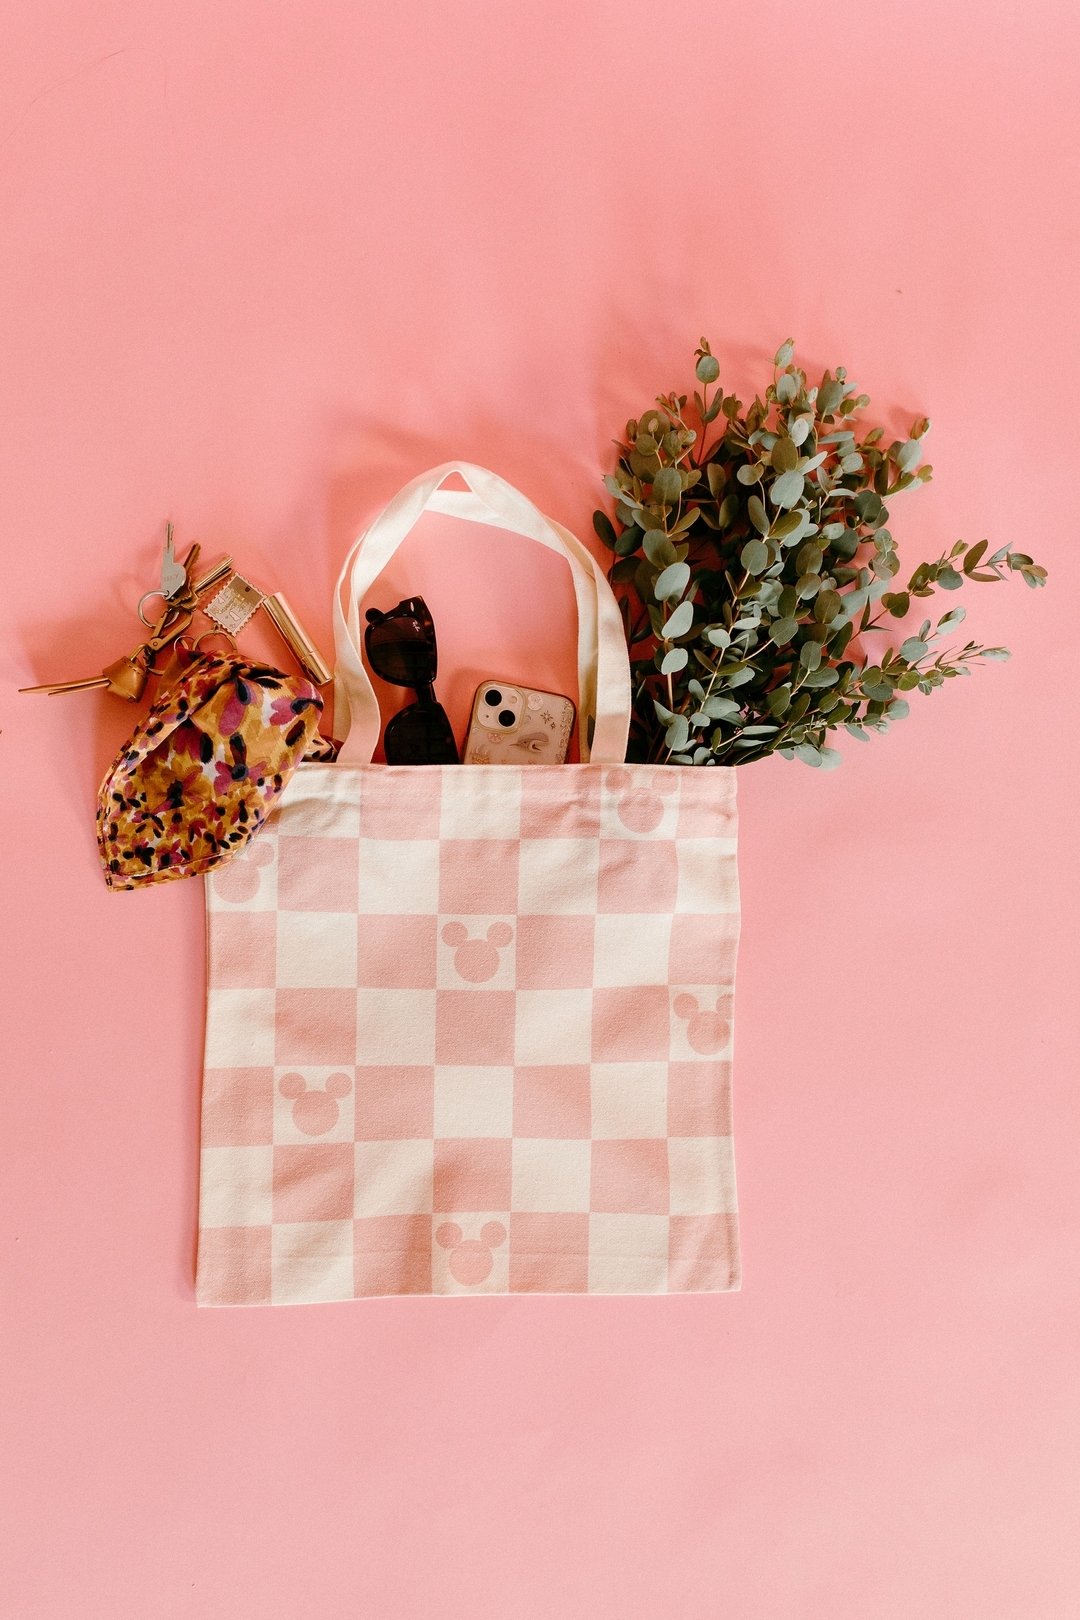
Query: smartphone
515	725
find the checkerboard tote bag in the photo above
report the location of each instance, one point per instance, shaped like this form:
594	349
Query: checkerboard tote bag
469	1026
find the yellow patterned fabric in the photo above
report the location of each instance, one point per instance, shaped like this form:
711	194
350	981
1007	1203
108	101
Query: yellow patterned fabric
198	778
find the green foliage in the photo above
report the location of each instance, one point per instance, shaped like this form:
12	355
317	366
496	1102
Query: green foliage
753	561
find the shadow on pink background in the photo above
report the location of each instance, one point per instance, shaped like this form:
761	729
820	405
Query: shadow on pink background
260	265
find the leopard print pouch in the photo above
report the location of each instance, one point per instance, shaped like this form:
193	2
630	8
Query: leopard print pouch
198	778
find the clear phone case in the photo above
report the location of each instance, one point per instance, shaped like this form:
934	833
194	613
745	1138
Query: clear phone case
516	725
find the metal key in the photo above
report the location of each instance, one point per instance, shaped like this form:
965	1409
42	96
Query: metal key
126	678
174	575
177	575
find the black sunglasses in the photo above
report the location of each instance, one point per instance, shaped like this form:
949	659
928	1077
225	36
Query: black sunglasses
401	648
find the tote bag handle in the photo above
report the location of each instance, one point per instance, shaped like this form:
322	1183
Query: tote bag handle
603	659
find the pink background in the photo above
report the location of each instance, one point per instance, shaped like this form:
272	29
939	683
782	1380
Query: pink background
262	263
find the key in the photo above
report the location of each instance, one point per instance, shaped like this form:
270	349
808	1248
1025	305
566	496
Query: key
126	678
183	594
174	575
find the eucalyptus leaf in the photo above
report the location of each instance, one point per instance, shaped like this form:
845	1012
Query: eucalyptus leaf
658	547
679	622
757	515
787	489
755	556
672	582
667	486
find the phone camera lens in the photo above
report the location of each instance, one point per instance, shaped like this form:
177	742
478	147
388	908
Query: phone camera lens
507	717
492	698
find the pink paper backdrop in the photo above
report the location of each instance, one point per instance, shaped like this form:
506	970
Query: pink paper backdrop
262	263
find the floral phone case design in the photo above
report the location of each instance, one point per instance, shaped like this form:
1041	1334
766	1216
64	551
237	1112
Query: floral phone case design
514	725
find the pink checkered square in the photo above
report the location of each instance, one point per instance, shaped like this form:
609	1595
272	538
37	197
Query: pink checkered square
478	875
234	1265
474	1026
245	950
631	1024
314	1183
319	874
549	1254
315	1026
553	1100
703	1253
556	953
622	867
392	1254
238	1107
699	1100
391	808
472	1173
571	813
630	1177
396	953
703	948
394	1102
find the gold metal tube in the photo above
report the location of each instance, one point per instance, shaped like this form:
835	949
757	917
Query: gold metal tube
296	638
208	581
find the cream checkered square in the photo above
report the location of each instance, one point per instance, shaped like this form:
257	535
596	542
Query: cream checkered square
236	1186
318	802
399	875
316	950
395	1026
492	801
557	875
474	1101
248	882
701	1175
476	950
471	1254
239	1028
394	1178
639	803
315	1104
551	1175
311	1260
708	877
553	1021
631	950
700	1022
629	1100
628	1254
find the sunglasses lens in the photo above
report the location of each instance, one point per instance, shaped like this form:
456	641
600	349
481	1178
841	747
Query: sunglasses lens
402	651
420	735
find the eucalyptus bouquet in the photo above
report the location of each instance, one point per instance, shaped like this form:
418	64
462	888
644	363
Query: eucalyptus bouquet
754	561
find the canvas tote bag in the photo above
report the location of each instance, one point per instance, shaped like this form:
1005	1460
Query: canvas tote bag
468	1026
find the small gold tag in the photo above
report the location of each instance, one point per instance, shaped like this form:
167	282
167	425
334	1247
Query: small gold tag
234	604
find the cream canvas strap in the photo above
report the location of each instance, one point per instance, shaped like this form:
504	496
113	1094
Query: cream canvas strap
603	661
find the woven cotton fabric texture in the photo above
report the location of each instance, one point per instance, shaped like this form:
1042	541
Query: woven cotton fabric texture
470	1031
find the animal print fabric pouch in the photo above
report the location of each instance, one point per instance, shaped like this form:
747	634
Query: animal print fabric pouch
199	776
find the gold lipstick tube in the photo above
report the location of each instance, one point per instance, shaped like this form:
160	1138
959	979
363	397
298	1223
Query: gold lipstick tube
296	638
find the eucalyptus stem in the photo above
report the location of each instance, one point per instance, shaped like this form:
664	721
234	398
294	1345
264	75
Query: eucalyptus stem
780	528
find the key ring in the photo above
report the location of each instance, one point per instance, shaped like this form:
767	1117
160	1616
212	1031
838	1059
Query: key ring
149	596
197	643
